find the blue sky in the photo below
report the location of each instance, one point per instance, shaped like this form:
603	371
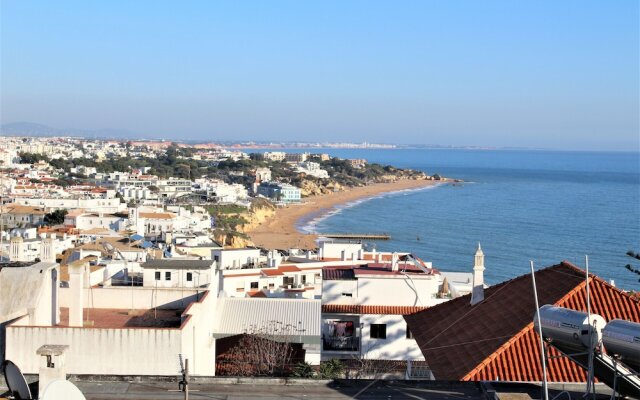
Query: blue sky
553	74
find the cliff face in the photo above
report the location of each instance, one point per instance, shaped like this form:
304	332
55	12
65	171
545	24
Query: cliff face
231	241
260	211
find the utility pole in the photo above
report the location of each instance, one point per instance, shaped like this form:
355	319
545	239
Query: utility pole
185	379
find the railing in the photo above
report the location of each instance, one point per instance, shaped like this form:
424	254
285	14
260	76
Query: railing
340	343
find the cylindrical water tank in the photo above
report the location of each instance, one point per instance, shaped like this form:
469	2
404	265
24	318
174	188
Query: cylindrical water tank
623	338
570	327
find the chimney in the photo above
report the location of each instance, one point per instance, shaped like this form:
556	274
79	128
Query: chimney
76	287
477	294
394	261
52	365
343	255
16	248
47	252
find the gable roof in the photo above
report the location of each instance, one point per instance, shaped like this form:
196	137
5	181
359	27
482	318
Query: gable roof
495	339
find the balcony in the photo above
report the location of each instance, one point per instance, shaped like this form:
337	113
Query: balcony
340	343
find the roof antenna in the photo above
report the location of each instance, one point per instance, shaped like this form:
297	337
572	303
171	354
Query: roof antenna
590	373
545	389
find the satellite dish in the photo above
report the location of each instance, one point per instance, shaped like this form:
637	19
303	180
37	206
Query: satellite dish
16	383
61	389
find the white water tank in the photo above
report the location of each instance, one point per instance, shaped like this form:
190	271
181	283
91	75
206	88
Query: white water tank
623	338
569	327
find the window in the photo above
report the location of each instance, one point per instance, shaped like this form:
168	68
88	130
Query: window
409	333
303	279
271	286
378	331
189	276
254	285
167	276
157	275
287	280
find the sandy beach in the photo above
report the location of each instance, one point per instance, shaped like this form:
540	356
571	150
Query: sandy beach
279	231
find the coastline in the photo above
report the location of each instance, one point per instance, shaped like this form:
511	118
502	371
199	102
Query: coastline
281	230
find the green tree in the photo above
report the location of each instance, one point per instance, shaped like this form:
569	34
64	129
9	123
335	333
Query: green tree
55	218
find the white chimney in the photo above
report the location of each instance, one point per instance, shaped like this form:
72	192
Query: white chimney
47	252
360	254
477	294
394	261
76	286
16	248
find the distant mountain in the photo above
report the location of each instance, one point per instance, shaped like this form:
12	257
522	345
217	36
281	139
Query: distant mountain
35	129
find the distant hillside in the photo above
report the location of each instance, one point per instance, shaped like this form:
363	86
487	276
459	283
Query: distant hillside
35	129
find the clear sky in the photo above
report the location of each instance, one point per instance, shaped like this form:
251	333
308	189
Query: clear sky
555	74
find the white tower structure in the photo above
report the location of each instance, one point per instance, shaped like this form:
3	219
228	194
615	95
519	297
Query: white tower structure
477	294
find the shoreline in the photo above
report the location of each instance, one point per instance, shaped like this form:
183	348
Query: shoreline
281	230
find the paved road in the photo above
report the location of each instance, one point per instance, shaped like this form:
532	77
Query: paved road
360	390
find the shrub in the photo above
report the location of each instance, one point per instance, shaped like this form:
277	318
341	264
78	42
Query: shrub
303	370
331	369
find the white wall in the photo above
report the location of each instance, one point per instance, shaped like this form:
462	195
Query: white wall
396	346
234	258
335	250
127	351
137	351
143	298
332	292
178	279
398	290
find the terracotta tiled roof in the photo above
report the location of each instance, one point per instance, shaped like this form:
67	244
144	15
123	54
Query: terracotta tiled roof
256	293
369	309
288	268
271	272
495	339
156	215
338	274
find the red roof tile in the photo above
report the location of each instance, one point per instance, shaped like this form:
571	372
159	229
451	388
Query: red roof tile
369	309
495	339
271	272
288	268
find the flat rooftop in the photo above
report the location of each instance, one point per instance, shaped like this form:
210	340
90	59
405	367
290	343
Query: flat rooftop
113	318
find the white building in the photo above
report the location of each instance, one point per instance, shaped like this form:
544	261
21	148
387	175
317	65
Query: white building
236	258
89	204
177	273
274	155
148	341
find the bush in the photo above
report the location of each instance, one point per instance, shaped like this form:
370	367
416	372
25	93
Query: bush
331	369
303	370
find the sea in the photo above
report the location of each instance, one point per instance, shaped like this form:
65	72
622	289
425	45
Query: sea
520	205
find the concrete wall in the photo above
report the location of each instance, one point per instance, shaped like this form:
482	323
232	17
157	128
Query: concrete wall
332	292
126	351
398	290
178	278
99	351
235	258
336	250
396	346
143	298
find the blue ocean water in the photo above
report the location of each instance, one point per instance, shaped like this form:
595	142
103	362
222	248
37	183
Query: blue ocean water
544	206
